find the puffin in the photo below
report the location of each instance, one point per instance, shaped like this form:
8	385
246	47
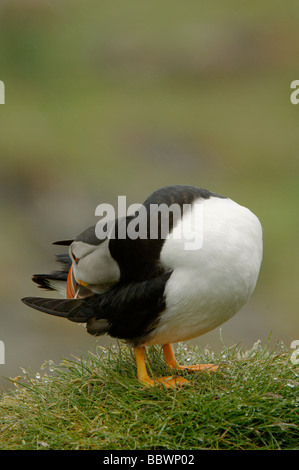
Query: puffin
182	264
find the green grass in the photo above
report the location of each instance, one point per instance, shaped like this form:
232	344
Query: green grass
96	402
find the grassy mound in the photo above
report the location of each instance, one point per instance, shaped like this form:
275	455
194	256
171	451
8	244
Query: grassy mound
96	402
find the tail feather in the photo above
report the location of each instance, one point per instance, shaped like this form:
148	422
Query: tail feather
63	242
65	260
48	281
56	280
65	308
75	310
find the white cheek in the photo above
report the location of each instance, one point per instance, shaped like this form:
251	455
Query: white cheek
98	267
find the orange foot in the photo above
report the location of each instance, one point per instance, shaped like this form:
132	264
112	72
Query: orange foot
172	363
168	382
143	377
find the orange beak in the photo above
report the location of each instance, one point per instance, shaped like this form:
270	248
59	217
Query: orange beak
70	291
74	287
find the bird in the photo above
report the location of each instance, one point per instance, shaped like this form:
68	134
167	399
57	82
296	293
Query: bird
149	290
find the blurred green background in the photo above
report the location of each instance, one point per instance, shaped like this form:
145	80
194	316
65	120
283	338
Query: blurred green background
119	98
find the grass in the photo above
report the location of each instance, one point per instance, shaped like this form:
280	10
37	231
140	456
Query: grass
96	402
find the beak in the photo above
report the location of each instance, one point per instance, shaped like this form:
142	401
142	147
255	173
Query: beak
75	288
71	285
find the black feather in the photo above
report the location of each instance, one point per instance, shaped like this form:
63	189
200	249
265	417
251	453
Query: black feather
65	308
43	280
63	242
65	260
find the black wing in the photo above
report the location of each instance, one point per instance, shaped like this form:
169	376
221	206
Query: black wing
65	308
129	311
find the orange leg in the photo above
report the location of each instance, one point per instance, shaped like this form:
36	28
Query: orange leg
144	378
172	363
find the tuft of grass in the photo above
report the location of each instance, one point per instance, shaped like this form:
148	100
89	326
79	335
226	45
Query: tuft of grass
96	402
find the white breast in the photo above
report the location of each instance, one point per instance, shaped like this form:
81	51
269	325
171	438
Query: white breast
210	283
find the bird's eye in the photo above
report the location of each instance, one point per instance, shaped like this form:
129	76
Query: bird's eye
76	260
